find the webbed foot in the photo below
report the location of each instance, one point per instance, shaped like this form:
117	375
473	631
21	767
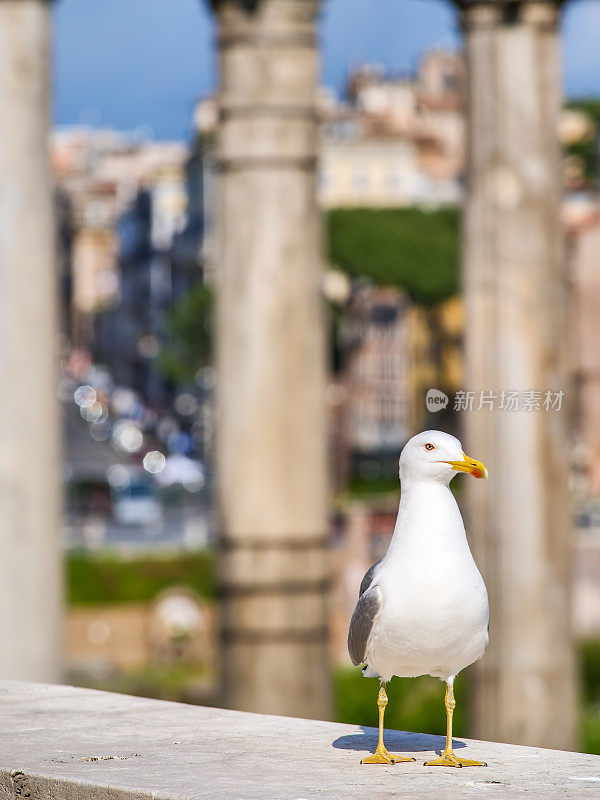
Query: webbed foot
450	760
382	756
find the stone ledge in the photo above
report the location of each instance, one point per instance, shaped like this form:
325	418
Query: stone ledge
64	743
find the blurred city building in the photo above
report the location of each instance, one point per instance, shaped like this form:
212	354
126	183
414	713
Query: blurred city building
105	175
391	351
130	215
393	141
381	338
582	216
396	140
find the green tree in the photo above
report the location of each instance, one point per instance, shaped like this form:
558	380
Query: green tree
587	149
415	249
188	344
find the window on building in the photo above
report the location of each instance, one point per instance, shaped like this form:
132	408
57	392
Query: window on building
449	82
361	181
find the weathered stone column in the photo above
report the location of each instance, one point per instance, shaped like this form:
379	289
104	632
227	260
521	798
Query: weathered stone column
270	357
30	469
515	338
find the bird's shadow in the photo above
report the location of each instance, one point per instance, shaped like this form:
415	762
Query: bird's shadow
395	741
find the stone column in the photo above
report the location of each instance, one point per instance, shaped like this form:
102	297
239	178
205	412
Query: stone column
271	433
514	285
30	468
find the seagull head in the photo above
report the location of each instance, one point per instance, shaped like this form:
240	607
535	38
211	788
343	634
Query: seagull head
438	456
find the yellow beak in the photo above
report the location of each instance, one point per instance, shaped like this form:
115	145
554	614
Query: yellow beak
469	465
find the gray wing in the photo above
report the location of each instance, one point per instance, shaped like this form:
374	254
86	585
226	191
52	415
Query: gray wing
361	623
369	574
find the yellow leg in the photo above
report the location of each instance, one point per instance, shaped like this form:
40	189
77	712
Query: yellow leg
381	755
448	759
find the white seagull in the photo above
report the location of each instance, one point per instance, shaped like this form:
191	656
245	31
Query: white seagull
423	609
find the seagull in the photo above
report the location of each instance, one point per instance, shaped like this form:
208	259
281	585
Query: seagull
423	609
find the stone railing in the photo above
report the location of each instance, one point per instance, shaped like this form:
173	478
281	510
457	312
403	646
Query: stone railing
62	743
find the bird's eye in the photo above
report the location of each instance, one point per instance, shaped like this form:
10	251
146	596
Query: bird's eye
429	446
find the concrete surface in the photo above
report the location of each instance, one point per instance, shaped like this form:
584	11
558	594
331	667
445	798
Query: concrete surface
76	744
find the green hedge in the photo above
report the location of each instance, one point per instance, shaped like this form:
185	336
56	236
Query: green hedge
415	704
113	579
589	679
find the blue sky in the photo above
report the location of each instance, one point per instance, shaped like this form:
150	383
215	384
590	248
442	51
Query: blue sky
143	63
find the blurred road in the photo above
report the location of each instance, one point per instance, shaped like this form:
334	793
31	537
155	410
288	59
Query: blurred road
183	520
